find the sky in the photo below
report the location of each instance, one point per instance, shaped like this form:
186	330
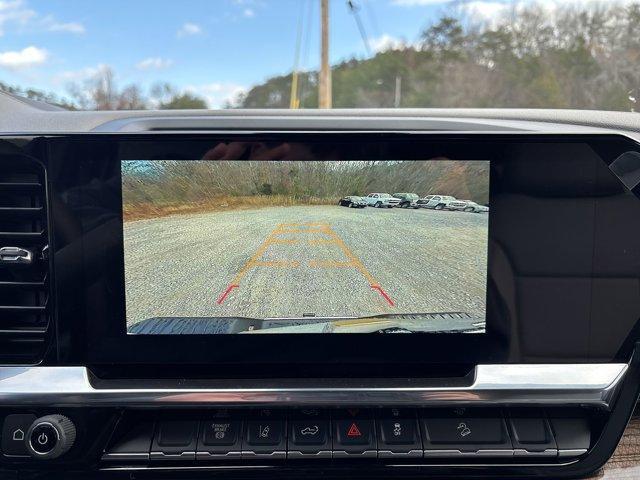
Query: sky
213	48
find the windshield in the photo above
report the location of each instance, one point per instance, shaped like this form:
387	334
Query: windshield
269	54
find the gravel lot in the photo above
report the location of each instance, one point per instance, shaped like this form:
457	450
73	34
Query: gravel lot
424	260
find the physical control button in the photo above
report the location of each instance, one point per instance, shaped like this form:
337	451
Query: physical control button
220	437
309	434
132	441
573	436
264	432
450	435
354	434
50	436
265	436
532	436
398	434
175	440
220	432
44	438
14	434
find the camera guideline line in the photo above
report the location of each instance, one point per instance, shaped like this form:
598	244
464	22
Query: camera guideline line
274	238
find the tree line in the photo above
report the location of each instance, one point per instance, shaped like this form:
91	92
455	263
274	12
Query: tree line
188	182
574	57
101	92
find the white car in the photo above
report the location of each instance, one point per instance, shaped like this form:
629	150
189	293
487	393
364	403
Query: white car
468	206
437	202
380	200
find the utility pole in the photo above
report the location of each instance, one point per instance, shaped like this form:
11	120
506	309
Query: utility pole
398	94
324	93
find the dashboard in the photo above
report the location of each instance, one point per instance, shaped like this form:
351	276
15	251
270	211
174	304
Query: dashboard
410	294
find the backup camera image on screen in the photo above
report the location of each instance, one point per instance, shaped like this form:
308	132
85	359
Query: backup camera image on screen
251	247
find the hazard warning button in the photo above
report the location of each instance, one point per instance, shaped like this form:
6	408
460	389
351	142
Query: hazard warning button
354	433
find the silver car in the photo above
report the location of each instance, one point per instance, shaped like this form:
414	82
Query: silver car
437	202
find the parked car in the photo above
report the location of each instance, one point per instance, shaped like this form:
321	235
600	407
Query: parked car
437	202
457	205
380	200
352	201
407	200
471	206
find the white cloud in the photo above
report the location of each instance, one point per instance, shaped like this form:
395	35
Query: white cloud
248	12
189	29
217	94
14	12
386	42
22	59
70	27
154	63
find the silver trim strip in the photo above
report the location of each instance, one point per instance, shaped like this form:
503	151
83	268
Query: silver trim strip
190	455
549	452
576	452
446	453
118	457
365	454
250	455
409	454
296	454
577	384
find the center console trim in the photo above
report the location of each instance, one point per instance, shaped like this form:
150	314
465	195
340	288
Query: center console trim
513	384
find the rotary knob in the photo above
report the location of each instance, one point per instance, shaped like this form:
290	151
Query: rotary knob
50	436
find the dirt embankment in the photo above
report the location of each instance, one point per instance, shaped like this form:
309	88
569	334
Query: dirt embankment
145	210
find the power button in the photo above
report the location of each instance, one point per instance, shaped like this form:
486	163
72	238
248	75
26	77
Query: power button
44	438
50	437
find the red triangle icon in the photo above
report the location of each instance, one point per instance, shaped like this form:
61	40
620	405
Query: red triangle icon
354	431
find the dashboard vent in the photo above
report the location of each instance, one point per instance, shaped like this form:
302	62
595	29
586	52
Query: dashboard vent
24	263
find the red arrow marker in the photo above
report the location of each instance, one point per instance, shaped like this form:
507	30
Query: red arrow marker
225	293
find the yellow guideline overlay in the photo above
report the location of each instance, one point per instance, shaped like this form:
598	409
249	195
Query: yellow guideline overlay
274	238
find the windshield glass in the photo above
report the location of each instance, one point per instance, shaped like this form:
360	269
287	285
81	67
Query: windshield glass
269	54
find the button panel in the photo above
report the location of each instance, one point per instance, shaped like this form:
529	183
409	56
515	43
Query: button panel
265	435
309	434
175	440
14	431
317	434
354	434
398	434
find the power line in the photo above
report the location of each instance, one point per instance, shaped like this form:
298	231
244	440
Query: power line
306	42
294	102
355	10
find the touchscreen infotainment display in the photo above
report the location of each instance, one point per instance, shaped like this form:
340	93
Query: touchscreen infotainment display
254	247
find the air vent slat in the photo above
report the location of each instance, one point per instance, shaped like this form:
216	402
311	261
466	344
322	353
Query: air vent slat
26	309
20	212
24	294
23	238
21	187
18	284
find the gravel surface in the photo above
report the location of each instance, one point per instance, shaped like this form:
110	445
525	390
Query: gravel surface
315	259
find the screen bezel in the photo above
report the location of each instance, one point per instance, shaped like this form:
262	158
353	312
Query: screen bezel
106	340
